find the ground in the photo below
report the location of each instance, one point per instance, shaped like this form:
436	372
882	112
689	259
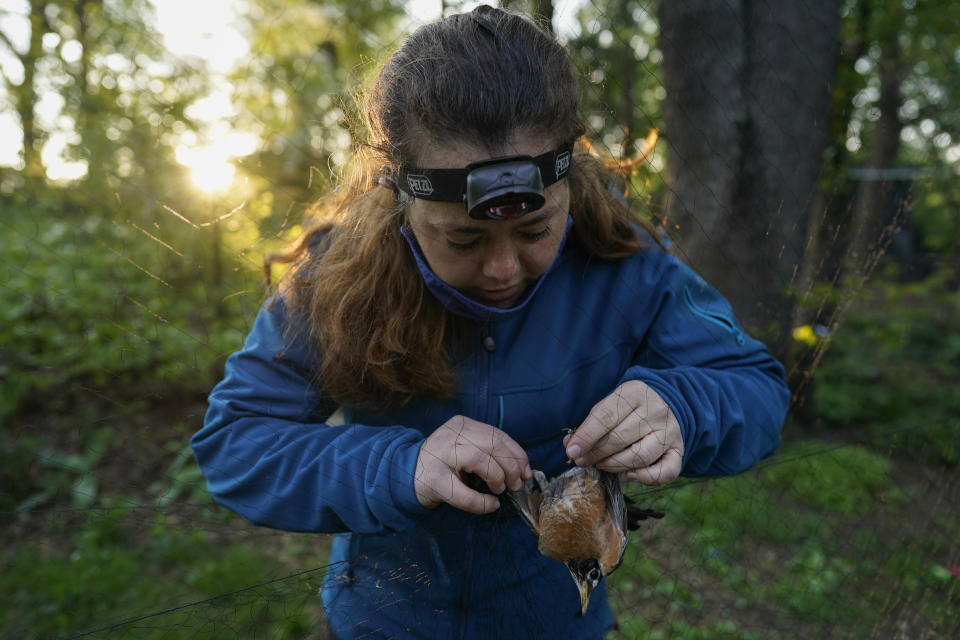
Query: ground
828	539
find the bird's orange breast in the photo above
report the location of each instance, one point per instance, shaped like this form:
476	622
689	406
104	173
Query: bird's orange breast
576	524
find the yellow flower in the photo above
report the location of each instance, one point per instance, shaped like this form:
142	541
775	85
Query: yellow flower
805	334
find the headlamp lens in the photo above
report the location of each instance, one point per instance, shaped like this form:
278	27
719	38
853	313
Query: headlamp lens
501	189
507	210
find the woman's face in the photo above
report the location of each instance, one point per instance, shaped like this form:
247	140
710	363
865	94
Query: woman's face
491	261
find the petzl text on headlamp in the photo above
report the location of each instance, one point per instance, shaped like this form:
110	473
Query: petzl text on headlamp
494	189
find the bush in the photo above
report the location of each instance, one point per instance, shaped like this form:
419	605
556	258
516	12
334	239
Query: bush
93	301
892	368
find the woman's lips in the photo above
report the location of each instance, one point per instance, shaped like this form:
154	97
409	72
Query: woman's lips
505	294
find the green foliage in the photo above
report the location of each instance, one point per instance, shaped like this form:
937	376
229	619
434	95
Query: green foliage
892	368
813	582
182	478
617	58
123	97
925	583
104	575
835	479
296	89
728	518
71	474
95	302
775	544
637	629
935	216
645	580
721	513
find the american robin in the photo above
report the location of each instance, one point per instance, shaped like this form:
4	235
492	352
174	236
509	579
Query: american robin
580	519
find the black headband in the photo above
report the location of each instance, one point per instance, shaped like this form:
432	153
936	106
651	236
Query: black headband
450	185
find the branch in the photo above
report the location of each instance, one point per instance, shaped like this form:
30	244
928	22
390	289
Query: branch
5	40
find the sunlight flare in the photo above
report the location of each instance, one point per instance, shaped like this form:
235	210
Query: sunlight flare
210	165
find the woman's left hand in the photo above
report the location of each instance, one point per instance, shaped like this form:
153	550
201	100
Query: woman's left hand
632	430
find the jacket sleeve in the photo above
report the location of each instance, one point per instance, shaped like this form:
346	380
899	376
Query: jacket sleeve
267	453
725	389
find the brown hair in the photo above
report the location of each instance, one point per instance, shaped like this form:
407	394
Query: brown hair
355	293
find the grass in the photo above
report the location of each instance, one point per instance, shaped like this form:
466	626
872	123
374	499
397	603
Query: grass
106	571
891	370
822	541
819	542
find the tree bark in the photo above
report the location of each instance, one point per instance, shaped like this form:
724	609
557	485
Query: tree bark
871	227
828	234
90	137
26	94
745	117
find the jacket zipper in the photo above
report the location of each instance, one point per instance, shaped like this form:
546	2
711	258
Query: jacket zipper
488	348
466	594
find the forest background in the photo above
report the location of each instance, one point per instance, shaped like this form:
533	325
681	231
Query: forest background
803	157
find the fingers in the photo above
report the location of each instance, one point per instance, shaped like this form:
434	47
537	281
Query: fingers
629	433
491	454
632	430
663	471
512	459
604	417
464	498
643	453
630	413
485	466
440	484
464	445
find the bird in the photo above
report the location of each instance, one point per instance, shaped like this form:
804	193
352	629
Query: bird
580	519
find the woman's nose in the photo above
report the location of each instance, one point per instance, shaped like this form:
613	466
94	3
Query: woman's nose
501	263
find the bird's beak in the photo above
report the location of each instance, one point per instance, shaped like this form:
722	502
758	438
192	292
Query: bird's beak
585	590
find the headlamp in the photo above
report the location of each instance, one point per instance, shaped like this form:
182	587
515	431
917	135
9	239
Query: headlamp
495	189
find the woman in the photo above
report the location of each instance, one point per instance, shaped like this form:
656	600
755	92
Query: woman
478	292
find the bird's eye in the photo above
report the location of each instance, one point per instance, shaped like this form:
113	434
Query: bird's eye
594	575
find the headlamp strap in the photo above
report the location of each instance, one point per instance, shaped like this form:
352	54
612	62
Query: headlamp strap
449	185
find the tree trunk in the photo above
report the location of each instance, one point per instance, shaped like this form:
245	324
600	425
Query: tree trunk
745	121
828	234
26	95
871	227
90	137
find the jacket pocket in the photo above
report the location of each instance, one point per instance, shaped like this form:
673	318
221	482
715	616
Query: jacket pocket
716	312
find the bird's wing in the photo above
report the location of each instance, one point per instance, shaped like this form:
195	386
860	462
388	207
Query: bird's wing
616	506
528	501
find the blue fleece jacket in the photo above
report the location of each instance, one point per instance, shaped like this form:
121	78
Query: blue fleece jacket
399	570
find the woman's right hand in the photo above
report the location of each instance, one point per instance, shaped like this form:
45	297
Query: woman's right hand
461	445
